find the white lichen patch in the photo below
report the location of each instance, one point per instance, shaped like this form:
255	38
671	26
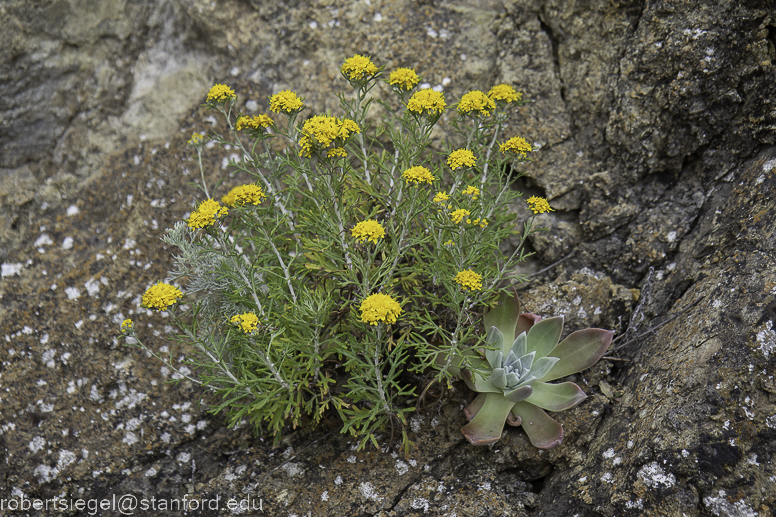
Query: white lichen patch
639	504
37	444
418	503
769	165
607	477
325	495
655	477
130	438
7	269
401	467
771	421
767	340
66	458
292	469
609	453
368	491
231	474
721	506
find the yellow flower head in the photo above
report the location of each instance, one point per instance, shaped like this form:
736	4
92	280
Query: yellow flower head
206	214
127	325
358	68
450	242
286	102
244	195
379	307
476	103
257	122
458	215
196	139
461	158
538	205
369	230
516	145
160	296
472	191
483	223
403	79
247	321
505	93
440	197
417	175
337	151
427	102
220	92
469	280
321	131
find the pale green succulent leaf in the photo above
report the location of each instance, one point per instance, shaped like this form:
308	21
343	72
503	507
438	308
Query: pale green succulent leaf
495	338
499	378
542	366
478	383
519	345
527	360
512	379
495	358
580	350
488	424
544	335
556	397
543	431
518	394
504	316
472	409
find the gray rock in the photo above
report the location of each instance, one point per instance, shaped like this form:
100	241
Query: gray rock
656	124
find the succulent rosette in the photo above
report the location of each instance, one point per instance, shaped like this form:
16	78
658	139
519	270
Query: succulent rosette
513	380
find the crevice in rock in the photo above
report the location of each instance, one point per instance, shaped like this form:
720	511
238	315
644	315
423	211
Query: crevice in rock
554	44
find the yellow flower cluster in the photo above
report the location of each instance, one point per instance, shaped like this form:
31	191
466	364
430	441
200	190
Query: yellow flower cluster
160	296
321	131
243	195
206	214
472	191
418	175
461	158
403	79
449	242
482	223
196	139
505	93
440	197
427	102
127	325
469	280
337	151
286	102
538	205
358	68
476	102
379	307
516	145
256	122
220	92
247	321
458	215
369	230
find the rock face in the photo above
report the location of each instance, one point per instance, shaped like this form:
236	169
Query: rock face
658	131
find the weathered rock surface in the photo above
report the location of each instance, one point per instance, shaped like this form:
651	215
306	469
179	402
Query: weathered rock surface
657	124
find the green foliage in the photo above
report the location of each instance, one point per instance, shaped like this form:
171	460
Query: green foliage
296	262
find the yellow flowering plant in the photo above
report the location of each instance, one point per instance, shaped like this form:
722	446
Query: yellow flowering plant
333	281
